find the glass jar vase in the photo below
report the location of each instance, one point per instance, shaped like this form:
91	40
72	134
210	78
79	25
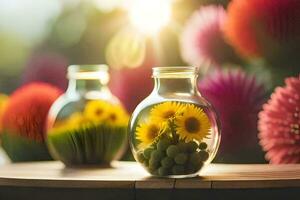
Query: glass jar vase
174	132
87	124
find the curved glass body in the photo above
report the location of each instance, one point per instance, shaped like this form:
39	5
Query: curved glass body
174	132
87	124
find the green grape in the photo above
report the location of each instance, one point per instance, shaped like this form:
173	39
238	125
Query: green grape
195	158
198	166
181	158
202	145
163	171
147	153
182	146
192	146
190	168
178	169
153	164
172	151
203	155
163	144
157	155
153	171
167	162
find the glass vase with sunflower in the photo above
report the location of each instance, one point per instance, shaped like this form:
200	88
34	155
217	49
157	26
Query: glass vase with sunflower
87	124
174	132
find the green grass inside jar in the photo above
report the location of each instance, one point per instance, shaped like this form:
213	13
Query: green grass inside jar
171	140
94	136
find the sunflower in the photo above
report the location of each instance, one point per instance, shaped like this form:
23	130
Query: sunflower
165	111
76	120
117	116
147	133
96	110
192	124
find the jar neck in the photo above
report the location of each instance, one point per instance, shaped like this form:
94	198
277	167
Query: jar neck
83	86
175	80
87	78
175	85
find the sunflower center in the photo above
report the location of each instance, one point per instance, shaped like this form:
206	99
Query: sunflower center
168	114
113	117
152	132
192	125
99	111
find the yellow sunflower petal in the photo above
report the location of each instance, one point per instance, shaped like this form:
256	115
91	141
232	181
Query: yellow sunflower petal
96	110
76	120
193	124
147	133
3	102
117	116
165	111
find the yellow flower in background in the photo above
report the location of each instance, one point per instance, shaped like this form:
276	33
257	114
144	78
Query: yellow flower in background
192	124
96	110
76	120
3	101
147	133
117	116
95	113
165	111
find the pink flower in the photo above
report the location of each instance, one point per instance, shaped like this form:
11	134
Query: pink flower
279	124
202	40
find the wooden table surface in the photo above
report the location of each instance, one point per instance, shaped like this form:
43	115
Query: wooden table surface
130	177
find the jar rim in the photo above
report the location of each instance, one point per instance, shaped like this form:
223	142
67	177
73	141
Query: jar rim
174	71
87	71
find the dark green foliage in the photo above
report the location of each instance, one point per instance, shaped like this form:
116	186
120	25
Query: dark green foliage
20	149
88	145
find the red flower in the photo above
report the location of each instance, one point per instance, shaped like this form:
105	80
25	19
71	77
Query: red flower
279	124
255	27
27	108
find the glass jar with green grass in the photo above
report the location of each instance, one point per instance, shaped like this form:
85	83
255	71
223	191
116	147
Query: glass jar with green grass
87	125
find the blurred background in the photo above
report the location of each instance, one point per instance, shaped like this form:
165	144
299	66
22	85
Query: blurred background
51	34
258	40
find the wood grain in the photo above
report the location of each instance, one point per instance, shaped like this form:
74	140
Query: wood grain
129	175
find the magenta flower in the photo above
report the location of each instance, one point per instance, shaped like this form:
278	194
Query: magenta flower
237	98
48	68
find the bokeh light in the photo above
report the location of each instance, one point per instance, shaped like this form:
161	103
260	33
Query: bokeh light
108	5
126	49
149	16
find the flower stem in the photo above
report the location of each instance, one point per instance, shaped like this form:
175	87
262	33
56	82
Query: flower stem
174	135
